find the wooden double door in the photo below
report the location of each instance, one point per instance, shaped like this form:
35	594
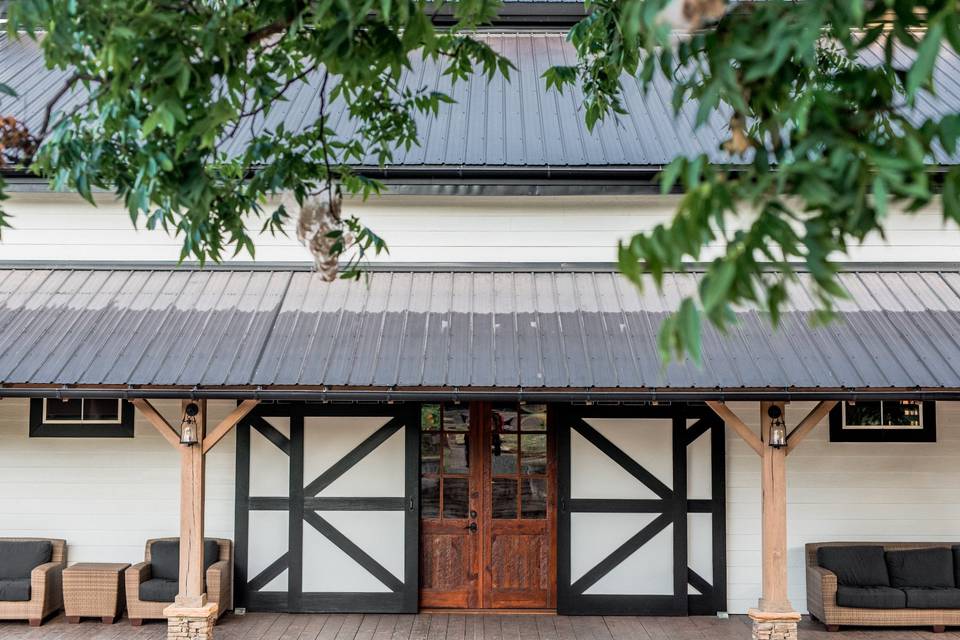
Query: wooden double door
488	506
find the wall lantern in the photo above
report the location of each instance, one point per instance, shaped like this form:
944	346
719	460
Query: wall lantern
778	428
188	427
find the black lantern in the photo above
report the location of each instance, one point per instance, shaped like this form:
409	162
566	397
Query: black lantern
778	427
188	427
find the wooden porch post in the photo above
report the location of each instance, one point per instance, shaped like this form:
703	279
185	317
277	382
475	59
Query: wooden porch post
773	483
192	481
191	617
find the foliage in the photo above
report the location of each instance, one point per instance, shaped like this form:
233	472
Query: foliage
823	142
161	85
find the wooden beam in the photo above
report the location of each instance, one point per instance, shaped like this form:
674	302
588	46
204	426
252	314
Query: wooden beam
191	594
806	425
738	425
228	423
773	484
158	421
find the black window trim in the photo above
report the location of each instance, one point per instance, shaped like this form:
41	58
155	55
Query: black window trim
928	432
41	429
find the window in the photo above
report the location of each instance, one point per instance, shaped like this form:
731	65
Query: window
884	421
81	418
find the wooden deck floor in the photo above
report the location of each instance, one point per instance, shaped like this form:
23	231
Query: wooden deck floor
264	626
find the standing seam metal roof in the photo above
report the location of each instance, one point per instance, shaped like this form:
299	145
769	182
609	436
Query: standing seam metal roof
446	329
500	123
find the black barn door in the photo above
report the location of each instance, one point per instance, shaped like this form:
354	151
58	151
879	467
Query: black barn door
642	511
327	508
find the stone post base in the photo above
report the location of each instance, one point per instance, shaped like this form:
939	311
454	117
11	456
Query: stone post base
190	624
774	626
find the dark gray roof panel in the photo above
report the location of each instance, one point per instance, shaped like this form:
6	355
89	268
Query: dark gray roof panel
515	123
462	329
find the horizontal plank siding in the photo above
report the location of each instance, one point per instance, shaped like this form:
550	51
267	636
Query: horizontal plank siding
431	228
105	496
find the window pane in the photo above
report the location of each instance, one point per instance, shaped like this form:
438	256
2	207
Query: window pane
456	452
430	452
533	453
430	497
101	410
533	498
430	417
455	497
504	458
505	418
63	409
504	498
533	417
863	414
905	413
456	417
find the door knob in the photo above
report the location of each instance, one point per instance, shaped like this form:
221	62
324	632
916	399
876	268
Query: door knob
472	526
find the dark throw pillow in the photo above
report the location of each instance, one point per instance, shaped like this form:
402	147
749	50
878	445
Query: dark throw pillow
19	557
924	568
855	566
165	558
211	553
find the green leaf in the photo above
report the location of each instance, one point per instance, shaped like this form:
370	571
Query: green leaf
670	173
7	90
716	285
922	70
880	196
951	195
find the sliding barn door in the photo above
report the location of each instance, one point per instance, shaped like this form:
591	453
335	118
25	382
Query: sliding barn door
327	509
641	523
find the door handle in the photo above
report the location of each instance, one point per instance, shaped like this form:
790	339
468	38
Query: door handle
472	527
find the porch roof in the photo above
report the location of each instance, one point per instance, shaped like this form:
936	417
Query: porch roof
530	328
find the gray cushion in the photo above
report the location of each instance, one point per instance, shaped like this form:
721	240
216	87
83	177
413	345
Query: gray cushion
158	590
933	598
15	590
19	557
855	566
956	565
165	558
871	597
925	568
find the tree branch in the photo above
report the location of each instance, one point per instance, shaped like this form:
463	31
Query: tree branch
277	26
48	112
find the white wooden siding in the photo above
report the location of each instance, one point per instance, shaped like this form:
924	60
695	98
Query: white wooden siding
105	496
51	226
840	491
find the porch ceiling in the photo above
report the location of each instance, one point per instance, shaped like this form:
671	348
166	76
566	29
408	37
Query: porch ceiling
467	330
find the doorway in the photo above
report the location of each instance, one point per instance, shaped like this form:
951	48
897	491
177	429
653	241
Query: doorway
488	506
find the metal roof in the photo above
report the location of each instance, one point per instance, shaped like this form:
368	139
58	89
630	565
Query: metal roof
497	124
406	329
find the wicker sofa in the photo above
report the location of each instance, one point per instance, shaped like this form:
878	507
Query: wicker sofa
31	574
936	605
149	594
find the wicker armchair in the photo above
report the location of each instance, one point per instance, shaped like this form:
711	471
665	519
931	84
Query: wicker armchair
219	581
46	592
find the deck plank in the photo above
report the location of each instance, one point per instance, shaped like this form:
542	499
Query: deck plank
454	626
